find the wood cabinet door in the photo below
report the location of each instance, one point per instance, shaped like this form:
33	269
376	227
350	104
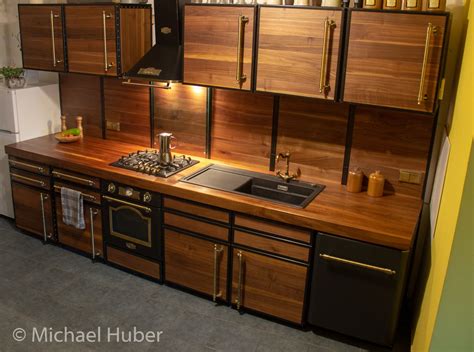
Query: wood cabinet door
298	51
82	239
42	41
394	59
268	285
33	210
218	45
196	263
91	39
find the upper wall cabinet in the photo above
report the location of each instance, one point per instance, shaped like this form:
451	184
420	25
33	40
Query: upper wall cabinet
298	51
218	45
106	39
42	38
394	59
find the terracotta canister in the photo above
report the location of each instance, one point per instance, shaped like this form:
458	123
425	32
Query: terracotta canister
376	184
392	4
372	4
434	5
411	5
354	181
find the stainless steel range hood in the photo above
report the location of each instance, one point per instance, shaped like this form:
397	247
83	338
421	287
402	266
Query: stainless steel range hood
163	62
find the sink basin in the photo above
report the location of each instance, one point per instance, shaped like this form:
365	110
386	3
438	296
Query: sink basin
254	184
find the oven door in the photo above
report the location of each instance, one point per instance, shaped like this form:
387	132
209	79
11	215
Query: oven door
133	227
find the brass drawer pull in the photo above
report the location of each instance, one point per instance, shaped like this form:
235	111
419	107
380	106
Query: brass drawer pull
323	87
217	251
15	162
92	213
43	197
146	209
430	30
53	44
80	179
238	301
39	182
239	76
359	264
85	195
105	17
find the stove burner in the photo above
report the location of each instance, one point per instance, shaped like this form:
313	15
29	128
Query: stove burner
148	162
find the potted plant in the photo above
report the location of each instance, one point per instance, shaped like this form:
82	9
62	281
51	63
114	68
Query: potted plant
13	76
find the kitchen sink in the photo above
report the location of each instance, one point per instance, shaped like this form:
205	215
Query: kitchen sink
272	188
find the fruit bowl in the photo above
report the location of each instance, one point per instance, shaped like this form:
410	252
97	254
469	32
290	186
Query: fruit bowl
66	139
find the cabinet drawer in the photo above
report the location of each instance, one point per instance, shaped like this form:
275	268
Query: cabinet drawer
30	179
201	227
275	246
29	166
88	195
133	262
80	179
273	228
194	209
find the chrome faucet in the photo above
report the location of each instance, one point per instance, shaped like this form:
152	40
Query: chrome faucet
286	176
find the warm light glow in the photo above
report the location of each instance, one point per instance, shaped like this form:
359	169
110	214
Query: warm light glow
197	90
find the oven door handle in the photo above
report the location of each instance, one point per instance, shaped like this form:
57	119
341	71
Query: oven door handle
146	209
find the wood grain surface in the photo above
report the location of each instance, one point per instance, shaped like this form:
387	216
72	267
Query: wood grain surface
132	262
290	50
385	59
196	226
195	209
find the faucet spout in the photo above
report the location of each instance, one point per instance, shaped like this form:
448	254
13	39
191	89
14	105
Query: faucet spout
286	175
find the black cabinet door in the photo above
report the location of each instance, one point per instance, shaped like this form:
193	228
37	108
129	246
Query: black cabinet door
357	288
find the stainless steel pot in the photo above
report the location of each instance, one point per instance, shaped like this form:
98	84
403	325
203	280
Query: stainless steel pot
165	140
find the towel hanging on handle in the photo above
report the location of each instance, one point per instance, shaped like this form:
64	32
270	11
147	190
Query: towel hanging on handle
73	208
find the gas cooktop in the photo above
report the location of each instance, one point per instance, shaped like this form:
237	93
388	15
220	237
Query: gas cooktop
148	162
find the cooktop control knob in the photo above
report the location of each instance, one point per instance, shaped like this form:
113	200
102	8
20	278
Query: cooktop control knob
147	197
111	188
129	192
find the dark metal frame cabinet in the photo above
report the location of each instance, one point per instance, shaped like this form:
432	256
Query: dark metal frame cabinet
357	288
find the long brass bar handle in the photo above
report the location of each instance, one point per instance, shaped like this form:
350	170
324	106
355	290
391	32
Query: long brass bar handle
239	76
85	195
52	38
429	31
217	251
146	209
359	264
15	162
92	213
105	17
323	87
239	288
66	176
39	182
44	197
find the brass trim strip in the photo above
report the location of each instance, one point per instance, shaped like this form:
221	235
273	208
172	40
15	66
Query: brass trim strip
429	31
239	287
323	87
217	251
239	76
359	264
128	238
85	195
66	176
148	210
129	82
41	183
39	168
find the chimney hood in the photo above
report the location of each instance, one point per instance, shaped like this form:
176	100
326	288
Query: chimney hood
164	61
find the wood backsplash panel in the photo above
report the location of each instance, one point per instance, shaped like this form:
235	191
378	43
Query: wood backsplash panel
389	141
80	96
314	132
181	110
242	127
129	106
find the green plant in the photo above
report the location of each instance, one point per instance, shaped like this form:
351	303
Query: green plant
11	72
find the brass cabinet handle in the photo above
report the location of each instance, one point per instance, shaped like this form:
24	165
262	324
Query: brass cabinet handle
39	182
217	251
238	301
323	87
359	264
15	162
240	77
430	30
92	213
66	176
43	197
148	210
105	17
85	195
52	38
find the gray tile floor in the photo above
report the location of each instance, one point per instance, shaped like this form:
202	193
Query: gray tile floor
44	286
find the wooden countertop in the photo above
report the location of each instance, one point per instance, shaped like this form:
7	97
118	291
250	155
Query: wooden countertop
390	220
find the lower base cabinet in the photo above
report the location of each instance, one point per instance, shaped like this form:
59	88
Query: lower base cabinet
269	285
196	263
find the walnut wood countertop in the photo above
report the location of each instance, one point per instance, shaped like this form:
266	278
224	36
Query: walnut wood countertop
390	221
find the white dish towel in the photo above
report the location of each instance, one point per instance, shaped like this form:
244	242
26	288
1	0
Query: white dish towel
73	208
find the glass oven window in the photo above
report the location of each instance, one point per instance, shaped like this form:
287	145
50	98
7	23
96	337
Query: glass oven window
130	224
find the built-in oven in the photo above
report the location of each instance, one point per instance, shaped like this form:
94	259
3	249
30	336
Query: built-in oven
132	219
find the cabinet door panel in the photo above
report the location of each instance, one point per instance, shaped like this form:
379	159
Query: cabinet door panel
81	239
28	210
85	39
211	39
385	58
290	51
272	286
38	26
189	261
